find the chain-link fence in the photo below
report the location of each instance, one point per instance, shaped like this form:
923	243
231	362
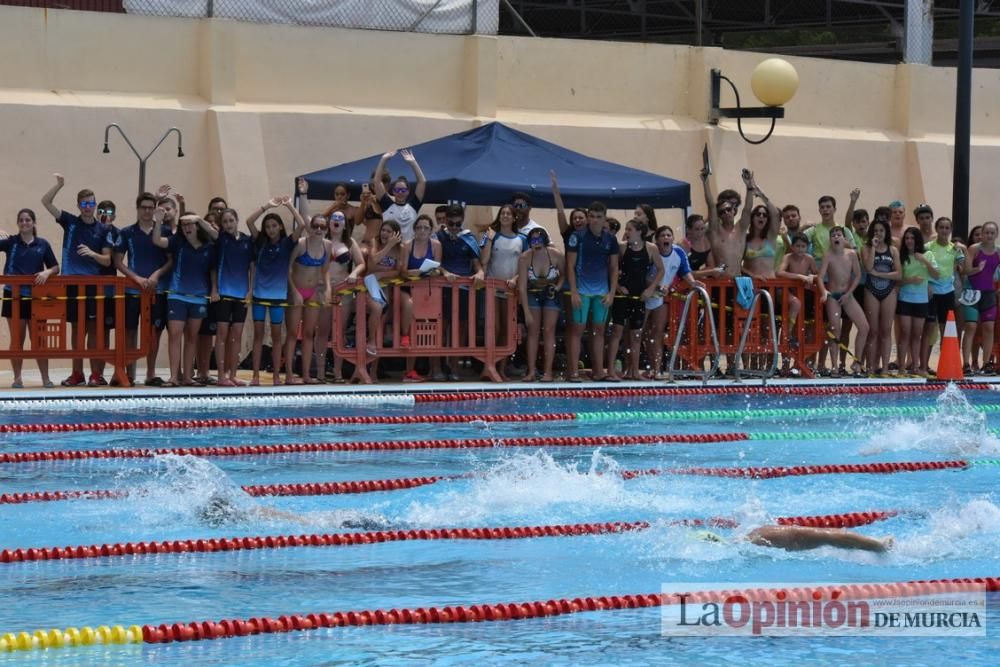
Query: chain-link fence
437	16
440	16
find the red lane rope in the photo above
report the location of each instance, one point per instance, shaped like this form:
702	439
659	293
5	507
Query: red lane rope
771	472
174	424
375	485
212	545
508	611
373	446
688	391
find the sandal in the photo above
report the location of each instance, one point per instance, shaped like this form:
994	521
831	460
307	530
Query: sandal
574	378
154	382
856	370
18	384
169	384
48	384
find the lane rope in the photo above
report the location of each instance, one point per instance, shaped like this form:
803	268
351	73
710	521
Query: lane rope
433	444
216	545
380	446
195	631
170	403
506	611
399	483
187	424
772	390
593	417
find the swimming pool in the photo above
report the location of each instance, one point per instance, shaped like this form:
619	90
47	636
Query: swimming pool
946	524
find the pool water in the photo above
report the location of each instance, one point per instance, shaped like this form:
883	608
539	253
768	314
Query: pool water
949	526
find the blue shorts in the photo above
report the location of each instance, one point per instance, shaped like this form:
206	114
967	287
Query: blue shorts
261	312
538	300
592	308
182	311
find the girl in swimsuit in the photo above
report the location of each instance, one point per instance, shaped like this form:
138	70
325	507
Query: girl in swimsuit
309	278
758	257
423	247
699	248
341	195
881	264
541	271
640	270
384	261
346	268
645	214
981	262
270	280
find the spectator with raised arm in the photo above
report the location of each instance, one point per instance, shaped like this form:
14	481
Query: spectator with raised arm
577	219
403	204
270	280
85	252
191	284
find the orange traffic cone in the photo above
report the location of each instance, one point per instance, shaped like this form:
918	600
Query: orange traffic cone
950	361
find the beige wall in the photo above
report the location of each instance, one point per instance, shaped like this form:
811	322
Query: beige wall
259	104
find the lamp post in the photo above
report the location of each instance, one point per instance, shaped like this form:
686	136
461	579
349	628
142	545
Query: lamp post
142	160
773	82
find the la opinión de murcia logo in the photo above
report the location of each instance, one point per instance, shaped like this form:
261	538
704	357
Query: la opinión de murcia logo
825	610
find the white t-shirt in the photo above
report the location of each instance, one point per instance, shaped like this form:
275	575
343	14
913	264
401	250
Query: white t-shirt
504	255
405	214
528	226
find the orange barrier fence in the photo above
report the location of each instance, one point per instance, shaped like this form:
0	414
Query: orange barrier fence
482	323
808	333
48	329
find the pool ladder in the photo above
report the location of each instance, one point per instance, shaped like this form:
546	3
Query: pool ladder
764	374
703	375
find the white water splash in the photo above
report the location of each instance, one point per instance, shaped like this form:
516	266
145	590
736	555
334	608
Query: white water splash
952	428
958	530
535	488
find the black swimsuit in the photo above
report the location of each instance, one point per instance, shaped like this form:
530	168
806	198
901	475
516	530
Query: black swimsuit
881	287
698	258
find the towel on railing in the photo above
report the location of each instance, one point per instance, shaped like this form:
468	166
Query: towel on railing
744	291
375	290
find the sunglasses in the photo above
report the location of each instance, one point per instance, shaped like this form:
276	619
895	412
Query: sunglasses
318	225
519	204
401	190
111	211
726	209
455	223
88	204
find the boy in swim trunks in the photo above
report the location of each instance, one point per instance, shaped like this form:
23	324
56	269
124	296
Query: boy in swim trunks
799	265
592	273
839	276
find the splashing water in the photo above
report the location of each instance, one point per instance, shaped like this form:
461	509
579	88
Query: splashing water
953	428
535	488
958	530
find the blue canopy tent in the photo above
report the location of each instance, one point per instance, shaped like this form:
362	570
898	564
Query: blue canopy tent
487	164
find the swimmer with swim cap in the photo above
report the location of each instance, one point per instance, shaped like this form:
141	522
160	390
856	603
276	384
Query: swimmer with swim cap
220	510
802	538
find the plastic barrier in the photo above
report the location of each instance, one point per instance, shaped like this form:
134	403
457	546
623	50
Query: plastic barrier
49	331
215	545
429	324
509	611
809	330
788	390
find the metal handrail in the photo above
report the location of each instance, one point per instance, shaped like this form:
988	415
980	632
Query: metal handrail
751	314
681	326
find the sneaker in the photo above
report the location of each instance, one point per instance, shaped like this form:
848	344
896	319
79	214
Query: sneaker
412	376
74	380
96	380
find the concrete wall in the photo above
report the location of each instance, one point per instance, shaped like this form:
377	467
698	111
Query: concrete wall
259	104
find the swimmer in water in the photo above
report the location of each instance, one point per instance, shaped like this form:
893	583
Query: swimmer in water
219	511
802	538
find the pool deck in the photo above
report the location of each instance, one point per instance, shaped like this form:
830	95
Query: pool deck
34	391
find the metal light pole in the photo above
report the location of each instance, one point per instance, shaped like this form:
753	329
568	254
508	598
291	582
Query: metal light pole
142	160
963	121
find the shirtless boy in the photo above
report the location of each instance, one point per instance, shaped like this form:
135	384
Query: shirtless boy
799	265
841	271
